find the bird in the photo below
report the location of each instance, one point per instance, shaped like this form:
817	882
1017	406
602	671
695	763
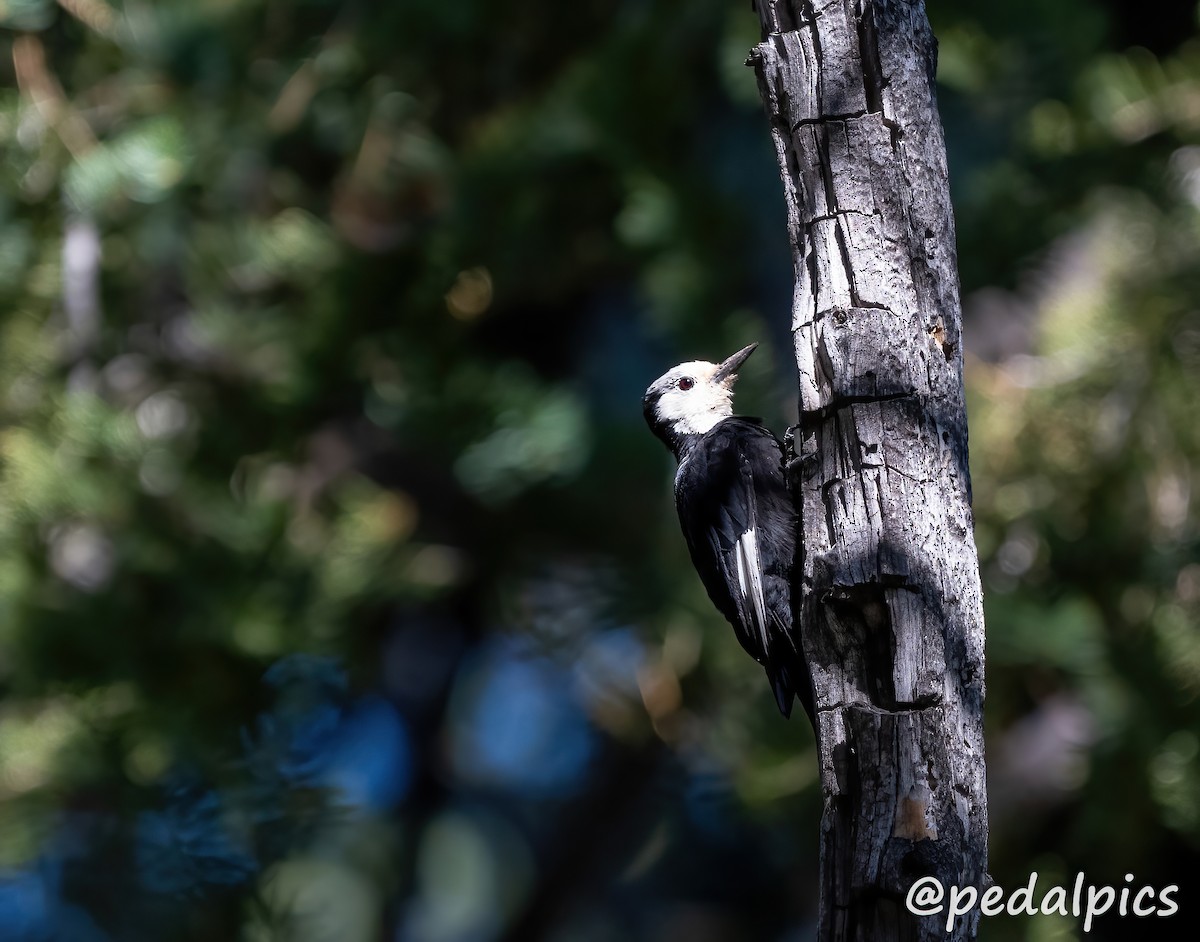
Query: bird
736	513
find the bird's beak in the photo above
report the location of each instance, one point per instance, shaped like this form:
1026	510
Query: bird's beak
728	369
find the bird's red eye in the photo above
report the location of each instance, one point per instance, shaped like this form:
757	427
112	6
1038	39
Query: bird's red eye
686	383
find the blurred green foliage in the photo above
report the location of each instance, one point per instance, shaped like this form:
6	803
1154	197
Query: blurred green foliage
340	591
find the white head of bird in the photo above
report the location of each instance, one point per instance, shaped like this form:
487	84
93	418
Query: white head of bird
692	397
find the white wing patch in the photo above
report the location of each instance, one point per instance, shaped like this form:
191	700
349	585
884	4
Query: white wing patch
749	571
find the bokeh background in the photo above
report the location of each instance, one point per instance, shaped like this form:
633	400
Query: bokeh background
341	594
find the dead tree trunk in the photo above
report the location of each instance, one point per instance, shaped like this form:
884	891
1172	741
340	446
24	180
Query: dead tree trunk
887	579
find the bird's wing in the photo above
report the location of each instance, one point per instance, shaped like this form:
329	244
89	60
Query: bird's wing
748	561
719	510
739	522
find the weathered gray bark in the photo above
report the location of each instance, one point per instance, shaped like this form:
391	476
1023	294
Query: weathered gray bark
887	580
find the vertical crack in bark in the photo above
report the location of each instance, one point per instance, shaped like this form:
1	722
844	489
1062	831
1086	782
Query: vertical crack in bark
848	264
797	194
808	21
777	15
825	163
868	51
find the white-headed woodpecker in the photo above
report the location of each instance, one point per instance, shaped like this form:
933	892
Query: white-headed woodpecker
736	513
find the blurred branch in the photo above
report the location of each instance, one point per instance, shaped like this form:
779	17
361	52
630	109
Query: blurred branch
81	250
44	92
94	14
293	99
302	85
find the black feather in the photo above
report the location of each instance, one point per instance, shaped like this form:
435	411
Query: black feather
731	480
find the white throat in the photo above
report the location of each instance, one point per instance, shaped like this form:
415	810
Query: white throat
700	422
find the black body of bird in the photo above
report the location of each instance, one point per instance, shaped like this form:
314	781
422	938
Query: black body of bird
736	513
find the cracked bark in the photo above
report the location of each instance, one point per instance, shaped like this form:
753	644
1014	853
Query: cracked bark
887	578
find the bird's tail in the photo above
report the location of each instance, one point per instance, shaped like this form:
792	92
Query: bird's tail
787	671
781	684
